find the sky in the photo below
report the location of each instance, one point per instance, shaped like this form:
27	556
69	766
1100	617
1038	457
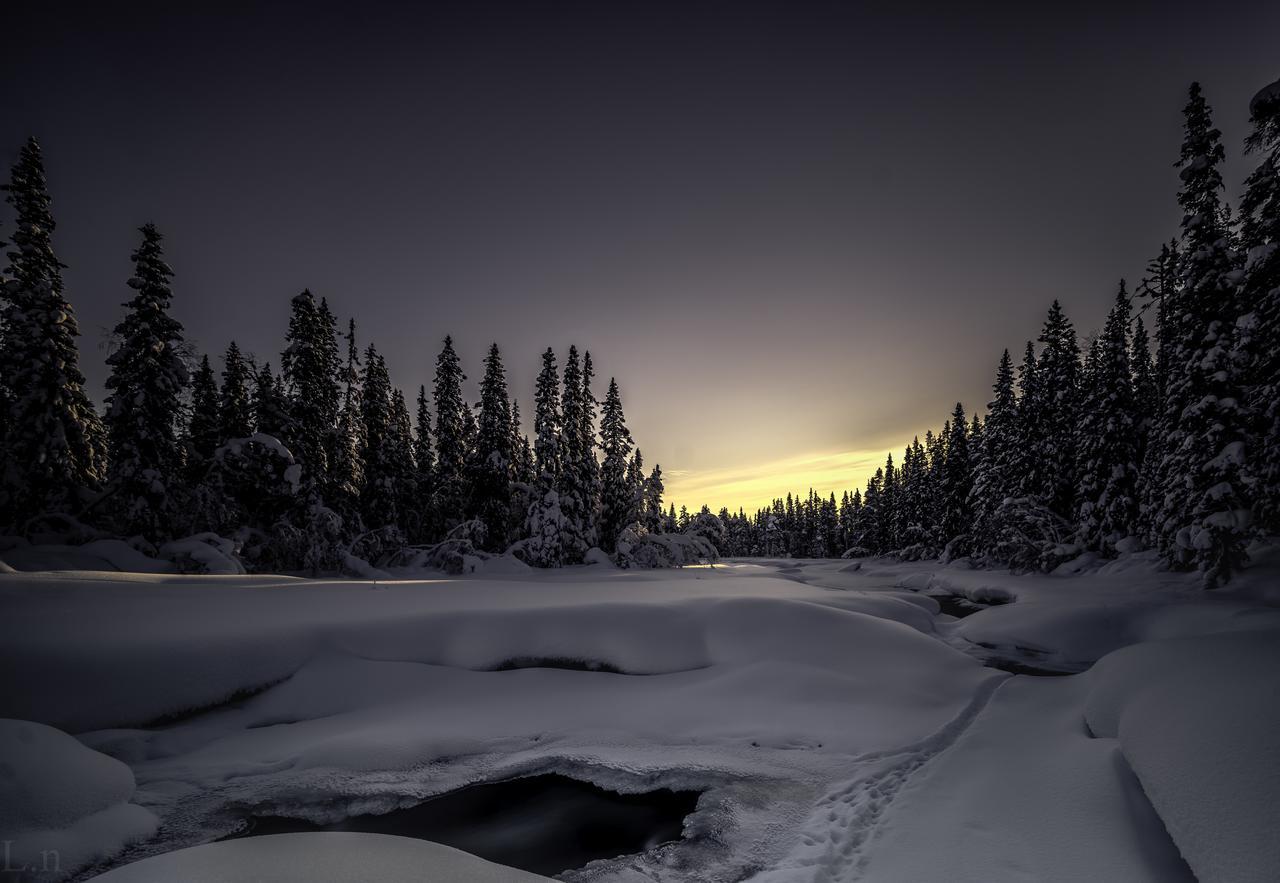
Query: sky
796	233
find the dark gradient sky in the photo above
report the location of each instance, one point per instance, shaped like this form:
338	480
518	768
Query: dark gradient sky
797	233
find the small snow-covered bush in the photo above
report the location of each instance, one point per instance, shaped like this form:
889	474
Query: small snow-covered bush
203	553
708	527
1030	537
652	550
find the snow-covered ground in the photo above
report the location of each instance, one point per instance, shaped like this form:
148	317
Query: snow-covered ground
839	726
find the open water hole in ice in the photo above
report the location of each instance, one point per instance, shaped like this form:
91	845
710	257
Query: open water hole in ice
544	824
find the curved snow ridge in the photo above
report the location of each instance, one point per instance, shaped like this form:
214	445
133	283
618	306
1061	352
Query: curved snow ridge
69	645
833	841
328	857
1196	718
62	804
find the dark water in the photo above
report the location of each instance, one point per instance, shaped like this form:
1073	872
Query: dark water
957	605
544	824
1022	668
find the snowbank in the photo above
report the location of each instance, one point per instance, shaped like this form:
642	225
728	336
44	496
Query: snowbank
330	857
63	806
1023	794
1197	719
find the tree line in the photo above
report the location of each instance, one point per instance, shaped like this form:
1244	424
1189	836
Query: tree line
1128	442
314	464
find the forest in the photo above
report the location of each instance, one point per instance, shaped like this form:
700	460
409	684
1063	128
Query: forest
1167	439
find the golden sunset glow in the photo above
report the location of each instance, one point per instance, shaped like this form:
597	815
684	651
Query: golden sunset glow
753	487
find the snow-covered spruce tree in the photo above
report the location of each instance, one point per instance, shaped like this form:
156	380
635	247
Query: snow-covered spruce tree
1161	286
957	484
403	470
635	481
381	492
991	480
204	429
617	501
346	470
869	541
935	461
655	520
1260	298
424	460
888	506
575	500
491	467
310	367
1145	393
148	378
1058	391
1205	519
451	440
235	406
523	467
1107	438
592	480
54	448
270	408
543	545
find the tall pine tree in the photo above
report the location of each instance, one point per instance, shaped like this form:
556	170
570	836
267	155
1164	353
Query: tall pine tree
1260	297
451	440
617	501
491	469
147	382
54	452
1205	517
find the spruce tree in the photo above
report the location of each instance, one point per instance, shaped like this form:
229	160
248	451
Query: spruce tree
957	480
235	406
1260	297
617	500
346	470
270	408
888	530
423	455
590	466
491	471
1107	438
1145	392
545	520
148	378
54	452
993	480
1058	391
310	367
1205	518
575	501
401	467
451	441
653	491
381	493
1161	286
635	481
204	429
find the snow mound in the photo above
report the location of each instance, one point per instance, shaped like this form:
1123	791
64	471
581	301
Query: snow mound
203	553
329	857
60	799
1197	718
108	555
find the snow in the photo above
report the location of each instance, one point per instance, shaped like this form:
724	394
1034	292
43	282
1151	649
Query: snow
330	857
839	726
1196	719
1063	806
60	798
